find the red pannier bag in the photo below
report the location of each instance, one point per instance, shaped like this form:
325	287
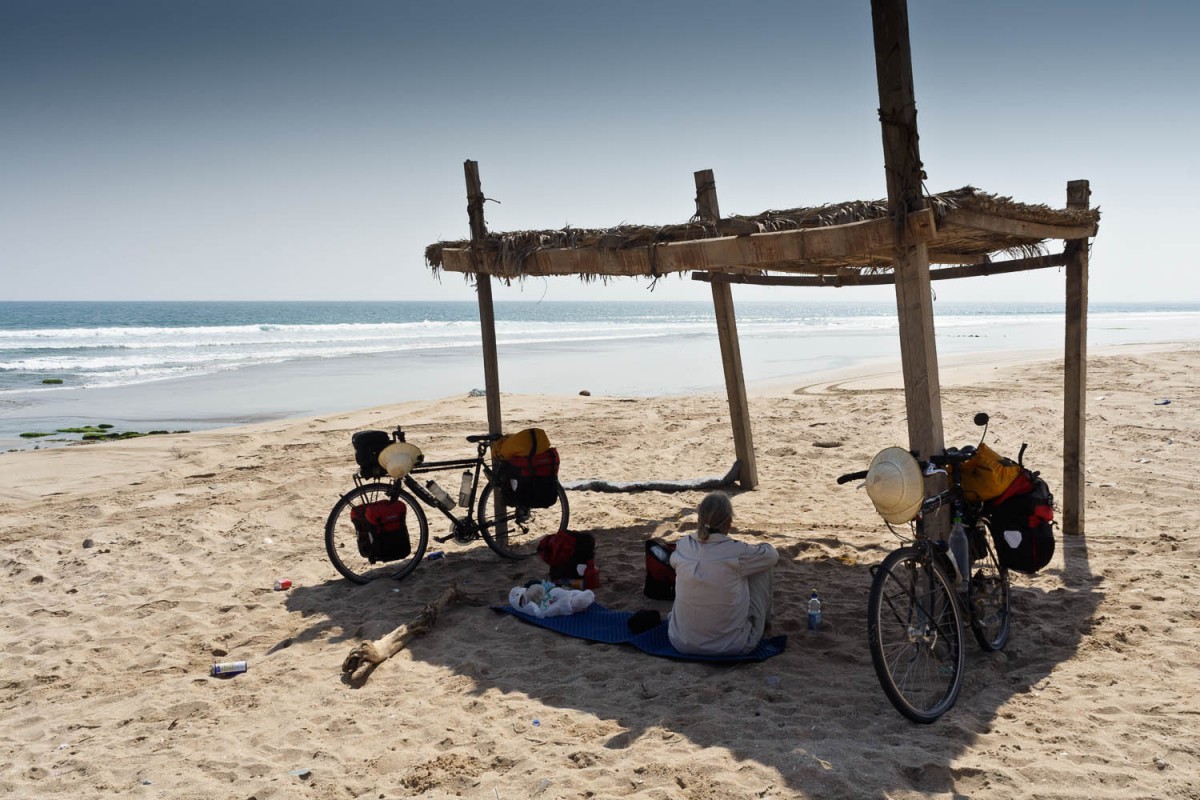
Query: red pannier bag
382	530
572	559
1022	524
530	481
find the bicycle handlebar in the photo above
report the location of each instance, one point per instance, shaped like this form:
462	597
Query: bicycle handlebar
953	455
853	476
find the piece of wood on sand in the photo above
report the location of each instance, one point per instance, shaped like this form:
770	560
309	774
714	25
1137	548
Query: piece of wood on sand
371	654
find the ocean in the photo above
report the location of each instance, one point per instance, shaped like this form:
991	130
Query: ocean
191	365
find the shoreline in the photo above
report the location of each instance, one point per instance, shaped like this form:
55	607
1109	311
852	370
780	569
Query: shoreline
325	384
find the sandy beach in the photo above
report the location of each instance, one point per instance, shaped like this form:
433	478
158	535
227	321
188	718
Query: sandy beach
132	566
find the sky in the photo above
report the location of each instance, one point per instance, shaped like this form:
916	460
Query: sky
307	150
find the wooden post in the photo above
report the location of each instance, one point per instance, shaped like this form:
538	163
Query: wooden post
902	163
731	353
483	288
1075	369
487	328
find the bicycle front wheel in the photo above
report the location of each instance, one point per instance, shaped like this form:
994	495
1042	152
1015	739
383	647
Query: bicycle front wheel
515	533
915	632
989	596
341	536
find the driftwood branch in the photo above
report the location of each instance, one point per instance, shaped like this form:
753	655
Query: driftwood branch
380	650
697	485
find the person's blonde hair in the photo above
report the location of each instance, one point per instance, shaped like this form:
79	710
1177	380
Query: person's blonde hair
715	512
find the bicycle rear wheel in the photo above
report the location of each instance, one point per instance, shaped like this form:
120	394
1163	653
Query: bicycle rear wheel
915	632
519	529
989	597
341	537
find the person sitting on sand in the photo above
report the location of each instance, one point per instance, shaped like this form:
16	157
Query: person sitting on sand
722	586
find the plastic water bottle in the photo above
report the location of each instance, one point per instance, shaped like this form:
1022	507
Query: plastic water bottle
443	497
814	611
960	553
464	489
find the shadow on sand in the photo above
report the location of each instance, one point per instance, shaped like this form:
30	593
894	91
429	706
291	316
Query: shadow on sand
813	714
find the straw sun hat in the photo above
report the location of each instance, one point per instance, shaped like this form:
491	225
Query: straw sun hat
399	458
895	485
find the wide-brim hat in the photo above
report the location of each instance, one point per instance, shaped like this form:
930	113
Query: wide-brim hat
895	485
398	458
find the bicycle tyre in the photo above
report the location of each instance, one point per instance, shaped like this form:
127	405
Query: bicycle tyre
525	526
989	601
341	539
915	632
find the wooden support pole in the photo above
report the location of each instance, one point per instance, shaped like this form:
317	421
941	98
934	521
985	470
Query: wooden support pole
487	328
902	164
731	353
1075	369
483	288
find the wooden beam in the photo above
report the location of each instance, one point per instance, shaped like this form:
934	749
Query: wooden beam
961	218
856	278
1075	370
731	353
831	242
903	168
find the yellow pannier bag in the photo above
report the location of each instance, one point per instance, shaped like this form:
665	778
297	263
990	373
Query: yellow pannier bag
527	443
987	475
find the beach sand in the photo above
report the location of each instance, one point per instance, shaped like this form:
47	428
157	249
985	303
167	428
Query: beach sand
105	650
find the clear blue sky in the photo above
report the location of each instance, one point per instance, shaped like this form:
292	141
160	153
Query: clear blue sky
310	150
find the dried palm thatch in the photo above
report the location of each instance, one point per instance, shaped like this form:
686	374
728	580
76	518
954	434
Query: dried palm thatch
511	255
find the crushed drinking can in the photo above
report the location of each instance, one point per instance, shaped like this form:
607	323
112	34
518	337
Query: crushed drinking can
282	584
228	668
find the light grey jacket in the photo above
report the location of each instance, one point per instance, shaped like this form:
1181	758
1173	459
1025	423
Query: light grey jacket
711	614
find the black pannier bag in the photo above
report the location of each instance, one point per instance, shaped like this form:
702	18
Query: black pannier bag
382	530
367	446
1022	524
530	481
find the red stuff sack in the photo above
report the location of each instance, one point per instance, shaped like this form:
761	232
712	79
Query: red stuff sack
382	530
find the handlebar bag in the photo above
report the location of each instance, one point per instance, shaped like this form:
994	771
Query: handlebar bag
530	481
382	530
1022	524
367	447
987	474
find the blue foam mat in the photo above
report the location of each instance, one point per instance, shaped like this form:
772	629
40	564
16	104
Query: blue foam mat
599	624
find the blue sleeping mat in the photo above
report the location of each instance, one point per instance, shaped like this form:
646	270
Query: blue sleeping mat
599	624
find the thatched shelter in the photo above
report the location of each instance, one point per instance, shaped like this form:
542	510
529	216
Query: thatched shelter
846	243
966	232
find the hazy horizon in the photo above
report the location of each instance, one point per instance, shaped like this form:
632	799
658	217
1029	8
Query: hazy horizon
306	151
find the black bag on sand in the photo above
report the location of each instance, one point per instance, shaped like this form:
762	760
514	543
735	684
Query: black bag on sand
660	576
